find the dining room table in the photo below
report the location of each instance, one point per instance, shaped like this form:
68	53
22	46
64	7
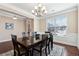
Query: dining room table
29	42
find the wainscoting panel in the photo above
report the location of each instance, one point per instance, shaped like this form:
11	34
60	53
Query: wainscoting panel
69	39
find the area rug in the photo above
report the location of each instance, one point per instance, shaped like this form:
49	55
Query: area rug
56	51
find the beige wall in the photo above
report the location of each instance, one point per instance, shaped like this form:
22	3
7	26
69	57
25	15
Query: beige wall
19	27
78	28
36	24
72	22
42	25
71	18
71	36
31	22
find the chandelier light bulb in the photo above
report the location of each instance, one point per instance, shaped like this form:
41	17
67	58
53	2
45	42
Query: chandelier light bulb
43	8
32	11
45	11
40	5
36	7
35	13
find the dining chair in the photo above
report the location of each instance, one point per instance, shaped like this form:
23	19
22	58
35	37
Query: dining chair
18	49
37	36
51	40
24	36
44	44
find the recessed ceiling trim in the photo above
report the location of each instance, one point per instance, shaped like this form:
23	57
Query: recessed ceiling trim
15	9
61	12
12	12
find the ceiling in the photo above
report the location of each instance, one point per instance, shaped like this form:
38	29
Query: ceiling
50	7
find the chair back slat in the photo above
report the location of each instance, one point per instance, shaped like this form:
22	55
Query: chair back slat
44	40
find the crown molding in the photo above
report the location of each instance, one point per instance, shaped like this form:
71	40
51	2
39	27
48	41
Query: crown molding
14	9
62	12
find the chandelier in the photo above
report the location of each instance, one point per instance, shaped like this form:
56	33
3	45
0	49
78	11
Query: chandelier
39	10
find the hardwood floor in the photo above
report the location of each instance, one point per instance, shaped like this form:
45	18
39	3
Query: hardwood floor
6	46
71	50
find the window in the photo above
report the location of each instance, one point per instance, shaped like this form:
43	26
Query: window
57	25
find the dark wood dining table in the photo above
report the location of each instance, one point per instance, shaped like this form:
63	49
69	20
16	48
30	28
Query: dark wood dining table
30	42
